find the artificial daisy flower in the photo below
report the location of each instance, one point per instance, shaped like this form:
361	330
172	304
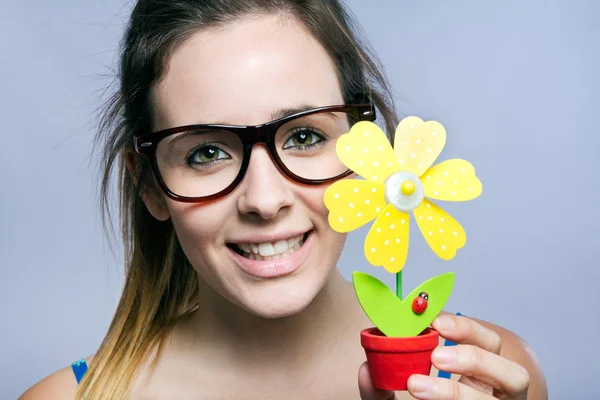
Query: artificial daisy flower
398	181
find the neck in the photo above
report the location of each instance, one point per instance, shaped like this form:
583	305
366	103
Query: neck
289	341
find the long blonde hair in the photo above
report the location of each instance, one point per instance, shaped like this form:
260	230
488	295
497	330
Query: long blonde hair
160	284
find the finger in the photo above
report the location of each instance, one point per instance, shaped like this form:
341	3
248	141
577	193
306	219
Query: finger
484	366
425	387
464	330
367	390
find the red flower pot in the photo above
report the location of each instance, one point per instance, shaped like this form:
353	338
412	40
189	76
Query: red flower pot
393	360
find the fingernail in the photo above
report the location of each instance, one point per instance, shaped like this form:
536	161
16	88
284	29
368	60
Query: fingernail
444	355
420	384
445	322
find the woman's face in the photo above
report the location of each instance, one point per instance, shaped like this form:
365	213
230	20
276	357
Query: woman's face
244	73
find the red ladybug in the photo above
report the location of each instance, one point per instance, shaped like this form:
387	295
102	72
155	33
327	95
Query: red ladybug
419	304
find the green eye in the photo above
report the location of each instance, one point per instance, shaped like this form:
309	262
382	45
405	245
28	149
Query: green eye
303	139
207	154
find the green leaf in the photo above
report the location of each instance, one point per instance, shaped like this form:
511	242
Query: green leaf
394	317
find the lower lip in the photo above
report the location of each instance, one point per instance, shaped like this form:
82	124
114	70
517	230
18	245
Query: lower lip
275	268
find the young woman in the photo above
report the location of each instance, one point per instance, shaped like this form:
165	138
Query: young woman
224	132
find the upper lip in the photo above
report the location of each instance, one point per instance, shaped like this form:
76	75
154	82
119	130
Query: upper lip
268	238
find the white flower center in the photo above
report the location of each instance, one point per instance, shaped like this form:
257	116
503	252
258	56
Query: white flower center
398	188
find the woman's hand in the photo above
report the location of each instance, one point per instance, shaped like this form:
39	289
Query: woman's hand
485	374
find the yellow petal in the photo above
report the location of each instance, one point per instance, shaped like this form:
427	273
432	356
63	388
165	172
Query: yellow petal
367	151
452	180
352	203
387	241
442	232
418	144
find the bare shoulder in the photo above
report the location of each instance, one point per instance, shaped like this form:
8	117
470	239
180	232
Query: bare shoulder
61	385
516	349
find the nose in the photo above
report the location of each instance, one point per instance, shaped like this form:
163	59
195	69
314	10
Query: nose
265	191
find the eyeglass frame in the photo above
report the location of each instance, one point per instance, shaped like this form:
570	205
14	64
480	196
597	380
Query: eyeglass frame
147	144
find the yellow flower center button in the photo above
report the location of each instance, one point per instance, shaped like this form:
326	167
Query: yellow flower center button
404	190
408	187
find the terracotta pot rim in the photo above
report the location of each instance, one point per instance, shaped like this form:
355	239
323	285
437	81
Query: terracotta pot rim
372	339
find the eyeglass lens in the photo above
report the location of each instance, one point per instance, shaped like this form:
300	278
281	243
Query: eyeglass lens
204	162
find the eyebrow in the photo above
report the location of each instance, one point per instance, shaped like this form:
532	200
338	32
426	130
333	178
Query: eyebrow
277	114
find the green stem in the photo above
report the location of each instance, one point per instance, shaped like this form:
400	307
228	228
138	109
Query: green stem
399	285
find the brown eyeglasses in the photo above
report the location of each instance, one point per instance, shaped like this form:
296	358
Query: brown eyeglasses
195	163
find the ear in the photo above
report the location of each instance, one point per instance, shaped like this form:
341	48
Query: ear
152	196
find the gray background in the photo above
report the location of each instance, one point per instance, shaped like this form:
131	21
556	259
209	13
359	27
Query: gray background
514	82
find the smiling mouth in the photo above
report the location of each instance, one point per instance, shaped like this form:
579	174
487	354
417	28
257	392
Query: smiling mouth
269	250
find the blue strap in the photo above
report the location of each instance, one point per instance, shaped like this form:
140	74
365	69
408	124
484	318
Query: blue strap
79	369
445	374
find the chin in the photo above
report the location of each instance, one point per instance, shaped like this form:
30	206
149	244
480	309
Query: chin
280	303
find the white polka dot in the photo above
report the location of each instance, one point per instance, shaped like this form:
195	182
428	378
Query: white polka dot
374	190
376	164
419	141
403	221
387	242
366	133
347	148
412	126
441	230
400	162
453	193
378	230
436	193
455	233
428	177
420	217
420	165
430	218
360	162
380	148
470	189
428	205
443	247
372	249
440	183
455	182
341	219
429	150
377	209
434	133
390	164
359	215
387	214
430	233
365	151
392	259
442	219
367	201
413	155
445	173
392	226
337	195
374	178
405	143
462	170
351	205
397	240
355	190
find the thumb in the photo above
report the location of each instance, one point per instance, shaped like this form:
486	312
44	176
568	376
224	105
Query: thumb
366	388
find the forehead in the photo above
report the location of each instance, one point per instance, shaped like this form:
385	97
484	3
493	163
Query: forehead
243	72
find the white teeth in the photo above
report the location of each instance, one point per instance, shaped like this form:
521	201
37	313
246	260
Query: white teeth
246	247
266	249
281	246
260	251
